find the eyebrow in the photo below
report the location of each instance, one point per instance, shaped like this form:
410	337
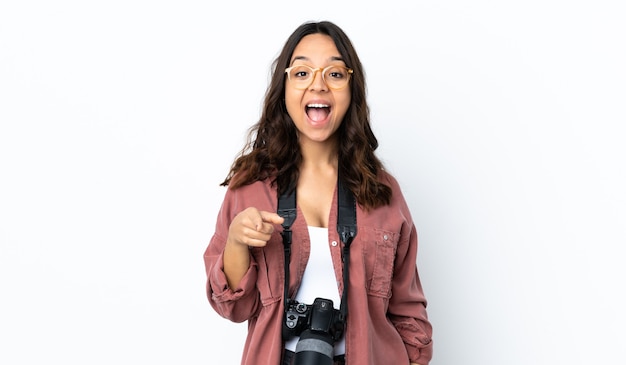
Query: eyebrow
304	58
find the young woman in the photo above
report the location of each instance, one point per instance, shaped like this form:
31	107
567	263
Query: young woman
314	132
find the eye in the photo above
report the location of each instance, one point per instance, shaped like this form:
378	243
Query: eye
336	73
300	72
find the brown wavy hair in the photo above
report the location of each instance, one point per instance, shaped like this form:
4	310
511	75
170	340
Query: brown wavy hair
273	152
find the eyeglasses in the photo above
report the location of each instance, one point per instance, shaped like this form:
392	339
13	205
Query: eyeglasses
336	77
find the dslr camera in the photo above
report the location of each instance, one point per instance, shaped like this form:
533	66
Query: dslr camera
319	325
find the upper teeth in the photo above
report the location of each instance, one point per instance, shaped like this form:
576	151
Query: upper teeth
317	106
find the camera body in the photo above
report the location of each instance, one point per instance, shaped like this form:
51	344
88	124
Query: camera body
319	325
321	316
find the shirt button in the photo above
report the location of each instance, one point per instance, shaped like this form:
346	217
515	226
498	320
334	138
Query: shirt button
334	243
385	237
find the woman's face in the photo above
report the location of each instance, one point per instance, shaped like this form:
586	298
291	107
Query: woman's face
316	110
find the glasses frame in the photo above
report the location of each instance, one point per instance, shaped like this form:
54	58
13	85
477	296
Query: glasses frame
323	71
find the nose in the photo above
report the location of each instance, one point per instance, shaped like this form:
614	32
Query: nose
318	82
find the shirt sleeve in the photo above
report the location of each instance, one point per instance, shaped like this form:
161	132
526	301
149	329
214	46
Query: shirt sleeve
236	304
407	306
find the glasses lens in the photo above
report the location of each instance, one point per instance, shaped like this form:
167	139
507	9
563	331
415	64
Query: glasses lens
336	77
301	76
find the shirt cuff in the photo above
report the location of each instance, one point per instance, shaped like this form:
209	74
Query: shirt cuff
221	292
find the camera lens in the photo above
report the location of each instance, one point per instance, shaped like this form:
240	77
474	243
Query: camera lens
314	348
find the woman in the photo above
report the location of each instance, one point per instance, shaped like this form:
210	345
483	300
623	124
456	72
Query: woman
313	132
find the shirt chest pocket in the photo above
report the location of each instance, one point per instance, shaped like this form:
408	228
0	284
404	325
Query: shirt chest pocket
379	252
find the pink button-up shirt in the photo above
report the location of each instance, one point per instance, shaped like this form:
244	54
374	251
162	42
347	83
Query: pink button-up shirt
387	323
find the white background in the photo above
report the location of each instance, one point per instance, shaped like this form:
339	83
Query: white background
502	120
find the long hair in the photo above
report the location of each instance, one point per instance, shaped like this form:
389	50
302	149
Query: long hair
273	152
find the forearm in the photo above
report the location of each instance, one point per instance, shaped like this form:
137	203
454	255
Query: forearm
236	263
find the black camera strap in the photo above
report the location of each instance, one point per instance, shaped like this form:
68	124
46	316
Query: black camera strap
287	210
346	227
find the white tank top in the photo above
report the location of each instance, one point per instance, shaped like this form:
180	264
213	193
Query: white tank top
319	280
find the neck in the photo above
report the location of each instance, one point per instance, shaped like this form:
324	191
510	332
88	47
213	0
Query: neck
319	154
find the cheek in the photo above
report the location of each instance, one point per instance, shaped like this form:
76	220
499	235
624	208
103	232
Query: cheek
342	103
292	101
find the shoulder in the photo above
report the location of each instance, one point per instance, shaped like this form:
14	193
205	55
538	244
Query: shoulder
259	194
394	218
398	201
388	179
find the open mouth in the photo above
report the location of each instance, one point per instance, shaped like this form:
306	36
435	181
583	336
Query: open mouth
317	112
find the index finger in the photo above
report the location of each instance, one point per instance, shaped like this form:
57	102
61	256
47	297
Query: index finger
271	217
